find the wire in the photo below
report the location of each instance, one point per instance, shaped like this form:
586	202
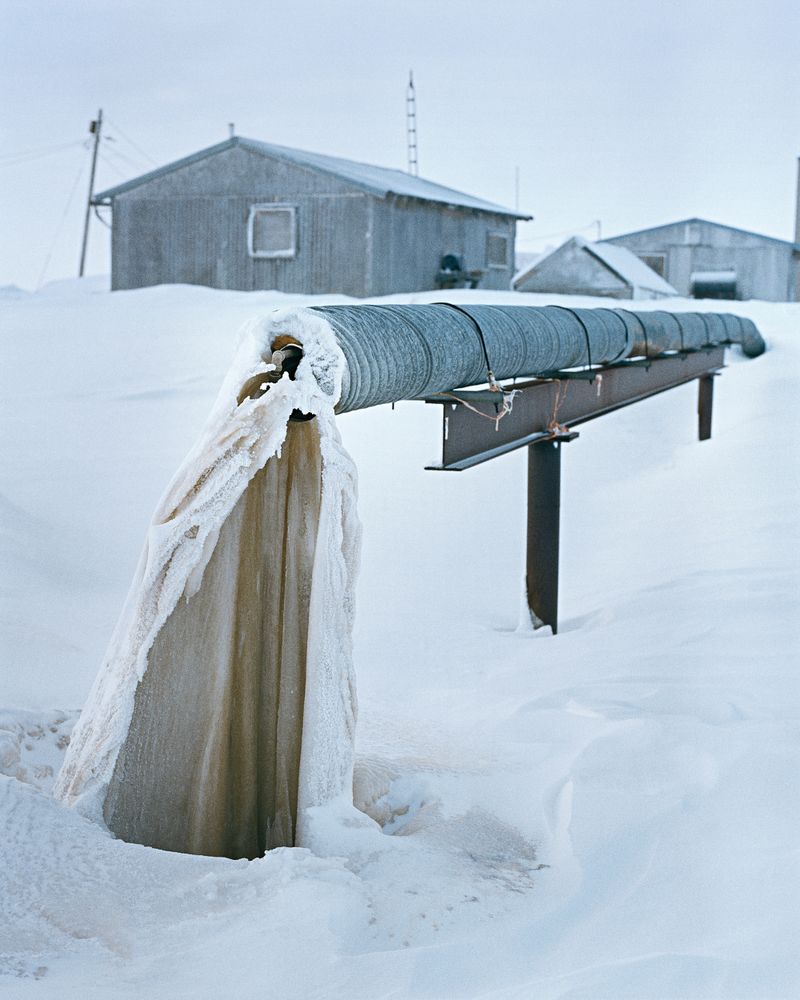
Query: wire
40	149
564	232
60	226
508	404
132	143
100	217
16	159
476	326
111	165
123	156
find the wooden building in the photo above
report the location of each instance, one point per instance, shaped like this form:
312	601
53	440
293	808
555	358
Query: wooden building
579	267
705	259
249	215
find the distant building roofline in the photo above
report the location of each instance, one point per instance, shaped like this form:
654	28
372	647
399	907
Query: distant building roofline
629	268
622	263
380	181
709	222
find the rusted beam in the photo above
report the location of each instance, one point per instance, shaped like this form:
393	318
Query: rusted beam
567	399
543	412
705	406
544	514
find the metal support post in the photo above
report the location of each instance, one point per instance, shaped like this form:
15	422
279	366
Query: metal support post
544	509
95	129
705	405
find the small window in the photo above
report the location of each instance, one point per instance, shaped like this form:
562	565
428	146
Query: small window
272	231
656	262
497	250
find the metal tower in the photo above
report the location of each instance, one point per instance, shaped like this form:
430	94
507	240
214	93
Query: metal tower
411	125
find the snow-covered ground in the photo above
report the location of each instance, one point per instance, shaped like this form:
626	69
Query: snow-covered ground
611	813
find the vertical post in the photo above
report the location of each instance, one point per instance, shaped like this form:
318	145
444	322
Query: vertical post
544	508
796	253
94	129
705	405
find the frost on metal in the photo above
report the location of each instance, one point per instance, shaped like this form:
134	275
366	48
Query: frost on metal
395	352
225	708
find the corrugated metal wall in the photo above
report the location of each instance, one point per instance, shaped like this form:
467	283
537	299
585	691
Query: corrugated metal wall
410	238
190	226
203	241
763	266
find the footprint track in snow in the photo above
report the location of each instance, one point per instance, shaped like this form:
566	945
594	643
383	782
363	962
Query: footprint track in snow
32	745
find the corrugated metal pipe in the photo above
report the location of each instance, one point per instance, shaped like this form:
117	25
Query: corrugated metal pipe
396	352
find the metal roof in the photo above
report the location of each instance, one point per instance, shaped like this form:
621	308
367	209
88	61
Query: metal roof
380	181
628	266
706	222
625	264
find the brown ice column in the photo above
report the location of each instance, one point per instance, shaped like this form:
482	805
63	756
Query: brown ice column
211	761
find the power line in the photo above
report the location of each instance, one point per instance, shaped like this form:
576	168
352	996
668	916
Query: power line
111	150
130	142
60	226
15	159
112	166
40	149
563	232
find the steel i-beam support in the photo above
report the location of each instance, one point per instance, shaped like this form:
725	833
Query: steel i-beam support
544	516
560	401
705	406
571	398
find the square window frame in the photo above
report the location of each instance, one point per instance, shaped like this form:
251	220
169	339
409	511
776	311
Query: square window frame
271	206
507	238
662	254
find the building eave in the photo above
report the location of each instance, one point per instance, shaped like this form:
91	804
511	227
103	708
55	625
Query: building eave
708	222
439	194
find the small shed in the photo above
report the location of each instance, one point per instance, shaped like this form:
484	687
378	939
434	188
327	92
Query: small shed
251	215
709	260
579	267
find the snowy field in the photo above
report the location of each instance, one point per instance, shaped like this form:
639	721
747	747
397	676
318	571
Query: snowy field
610	813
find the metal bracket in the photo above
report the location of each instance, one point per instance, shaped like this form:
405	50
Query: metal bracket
570	399
542	418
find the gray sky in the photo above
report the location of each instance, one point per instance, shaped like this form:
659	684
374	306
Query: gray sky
635	113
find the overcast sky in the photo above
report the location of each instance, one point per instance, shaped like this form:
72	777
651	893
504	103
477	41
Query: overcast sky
634	113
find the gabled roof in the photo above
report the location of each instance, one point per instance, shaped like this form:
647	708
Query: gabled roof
705	222
380	181
621	261
629	267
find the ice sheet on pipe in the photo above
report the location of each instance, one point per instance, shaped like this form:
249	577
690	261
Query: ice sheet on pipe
223	715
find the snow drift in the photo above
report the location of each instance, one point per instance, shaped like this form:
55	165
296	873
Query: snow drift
225	707
647	756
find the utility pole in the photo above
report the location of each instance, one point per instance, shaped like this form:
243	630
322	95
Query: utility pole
95	128
411	126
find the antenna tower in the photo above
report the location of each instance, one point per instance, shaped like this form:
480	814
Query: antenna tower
411	125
